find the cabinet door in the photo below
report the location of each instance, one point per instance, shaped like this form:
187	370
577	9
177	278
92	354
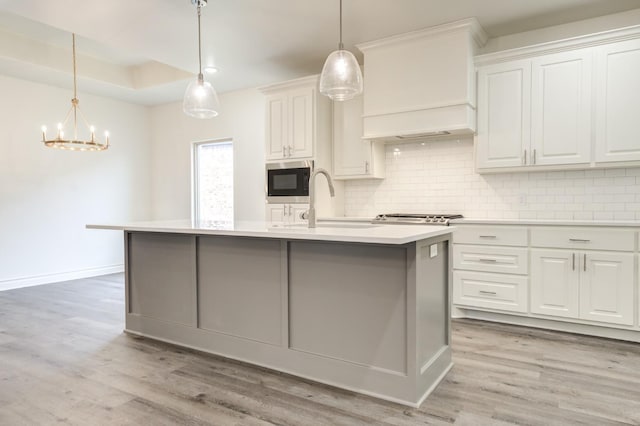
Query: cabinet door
617	102
606	292
276	213
351	154
504	127
301	122
276	127
555	283
561	108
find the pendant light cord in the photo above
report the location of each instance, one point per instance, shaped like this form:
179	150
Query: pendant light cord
73	38
200	42
341	46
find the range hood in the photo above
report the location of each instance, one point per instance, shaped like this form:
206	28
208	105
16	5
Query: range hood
421	85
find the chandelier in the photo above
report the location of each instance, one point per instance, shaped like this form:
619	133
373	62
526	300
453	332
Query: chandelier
74	143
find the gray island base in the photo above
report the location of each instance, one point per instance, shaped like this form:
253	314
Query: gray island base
368	317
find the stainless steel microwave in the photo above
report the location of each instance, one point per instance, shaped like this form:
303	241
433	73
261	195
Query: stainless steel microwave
288	182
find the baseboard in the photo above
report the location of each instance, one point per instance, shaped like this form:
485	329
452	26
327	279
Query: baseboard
59	276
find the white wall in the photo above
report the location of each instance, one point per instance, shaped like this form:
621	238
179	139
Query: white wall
47	196
439	177
172	133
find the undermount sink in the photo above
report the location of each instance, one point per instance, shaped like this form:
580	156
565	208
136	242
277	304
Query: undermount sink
329	225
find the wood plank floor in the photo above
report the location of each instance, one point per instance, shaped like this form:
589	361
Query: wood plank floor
65	360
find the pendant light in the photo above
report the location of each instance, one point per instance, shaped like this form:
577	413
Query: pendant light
341	78
200	99
75	143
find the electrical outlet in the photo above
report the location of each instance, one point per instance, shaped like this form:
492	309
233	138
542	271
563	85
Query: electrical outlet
433	250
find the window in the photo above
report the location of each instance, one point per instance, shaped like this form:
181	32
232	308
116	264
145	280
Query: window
213	182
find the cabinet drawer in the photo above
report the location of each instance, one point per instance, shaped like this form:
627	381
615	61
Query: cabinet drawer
492	235
583	238
491	291
490	259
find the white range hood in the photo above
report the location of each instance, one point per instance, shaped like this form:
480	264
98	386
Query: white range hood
422	84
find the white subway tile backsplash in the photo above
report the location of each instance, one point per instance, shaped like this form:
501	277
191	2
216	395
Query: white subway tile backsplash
439	177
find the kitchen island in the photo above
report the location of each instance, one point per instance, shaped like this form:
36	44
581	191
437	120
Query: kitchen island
355	305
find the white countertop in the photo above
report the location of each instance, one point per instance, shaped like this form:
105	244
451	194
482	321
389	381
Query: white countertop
345	231
549	222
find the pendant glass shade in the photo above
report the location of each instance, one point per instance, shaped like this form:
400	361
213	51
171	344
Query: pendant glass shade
200	99
341	78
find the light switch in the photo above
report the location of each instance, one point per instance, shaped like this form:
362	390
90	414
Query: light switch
433	250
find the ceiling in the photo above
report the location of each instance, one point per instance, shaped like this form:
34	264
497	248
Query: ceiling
144	51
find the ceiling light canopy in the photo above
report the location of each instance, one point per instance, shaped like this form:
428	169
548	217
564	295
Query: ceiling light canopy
200	98
341	78
92	143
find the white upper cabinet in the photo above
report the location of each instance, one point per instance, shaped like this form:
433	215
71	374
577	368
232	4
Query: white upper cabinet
535	112
618	102
292	110
561	108
504	128
354	157
421	82
562	105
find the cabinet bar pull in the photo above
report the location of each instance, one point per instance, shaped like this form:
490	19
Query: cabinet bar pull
573	263
534	156
584	263
493	293
578	240
289	209
366	167
289	151
284	151
488	236
488	260
525	157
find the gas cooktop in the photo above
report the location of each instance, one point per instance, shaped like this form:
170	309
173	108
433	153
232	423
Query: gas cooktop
416	218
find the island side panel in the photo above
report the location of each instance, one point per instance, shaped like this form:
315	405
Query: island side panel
240	287
349	302
161	277
433	323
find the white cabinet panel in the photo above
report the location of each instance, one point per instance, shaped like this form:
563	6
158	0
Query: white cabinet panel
504	104
492	291
554	283
276	126
618	103
354	157
508	260
290	123
583	238
606	292
561	108
491	235
285	213
301	121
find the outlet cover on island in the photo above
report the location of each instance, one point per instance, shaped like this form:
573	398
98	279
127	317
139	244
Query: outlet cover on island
433	250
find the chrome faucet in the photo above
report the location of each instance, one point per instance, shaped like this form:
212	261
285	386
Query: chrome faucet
311	214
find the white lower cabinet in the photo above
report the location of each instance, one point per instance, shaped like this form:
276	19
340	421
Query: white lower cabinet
596	286
490	268
606	287
581	275
493	291
554	283
286	213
